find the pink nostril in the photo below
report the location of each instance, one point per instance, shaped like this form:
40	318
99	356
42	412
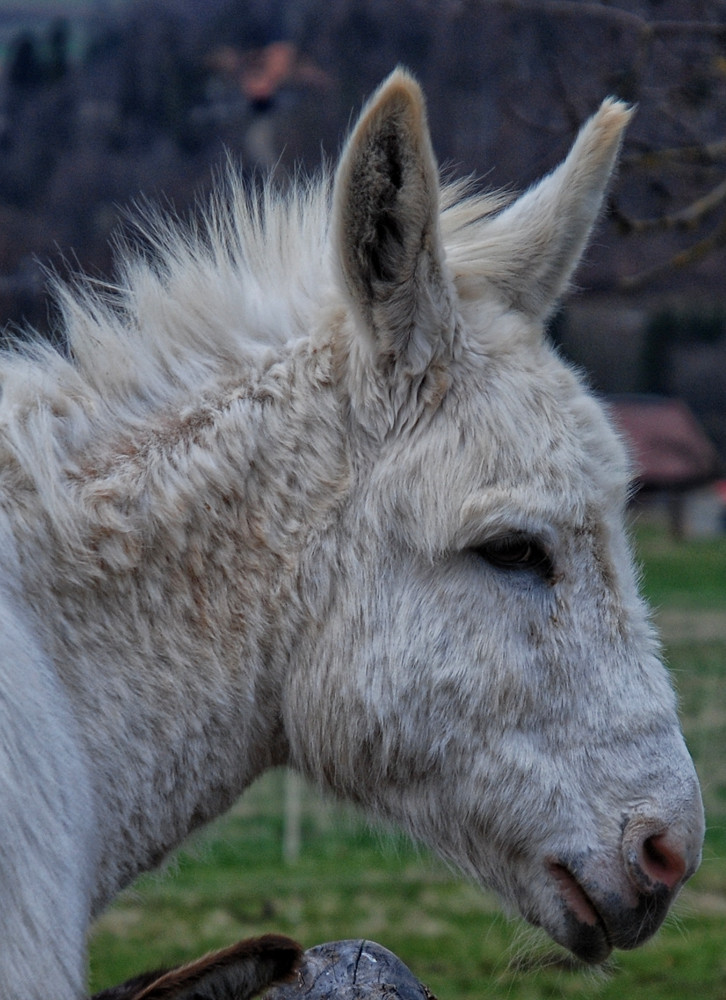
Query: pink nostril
653	859
662	860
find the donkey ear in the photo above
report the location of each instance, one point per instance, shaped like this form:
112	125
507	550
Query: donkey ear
530	250
386	226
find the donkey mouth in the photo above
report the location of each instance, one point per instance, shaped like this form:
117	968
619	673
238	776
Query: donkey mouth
586	934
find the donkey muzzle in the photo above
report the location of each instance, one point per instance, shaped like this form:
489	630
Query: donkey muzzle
605	910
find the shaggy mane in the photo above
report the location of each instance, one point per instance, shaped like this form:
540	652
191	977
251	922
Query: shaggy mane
207	301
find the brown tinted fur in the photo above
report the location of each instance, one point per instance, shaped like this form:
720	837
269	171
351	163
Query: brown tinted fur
235	973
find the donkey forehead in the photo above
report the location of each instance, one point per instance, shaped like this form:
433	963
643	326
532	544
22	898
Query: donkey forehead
516	439
536	424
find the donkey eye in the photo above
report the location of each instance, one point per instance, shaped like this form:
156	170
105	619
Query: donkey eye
517	552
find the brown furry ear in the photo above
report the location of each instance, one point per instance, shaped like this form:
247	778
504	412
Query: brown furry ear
235	973
386	224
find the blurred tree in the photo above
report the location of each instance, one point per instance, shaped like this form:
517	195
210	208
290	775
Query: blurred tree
508	82
667	331
25	67
58	50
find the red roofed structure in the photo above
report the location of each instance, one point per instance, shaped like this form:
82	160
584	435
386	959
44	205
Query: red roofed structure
669	448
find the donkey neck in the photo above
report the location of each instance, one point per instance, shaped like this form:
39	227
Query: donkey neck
174	628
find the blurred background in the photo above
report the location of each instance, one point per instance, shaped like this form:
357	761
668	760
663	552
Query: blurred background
108	102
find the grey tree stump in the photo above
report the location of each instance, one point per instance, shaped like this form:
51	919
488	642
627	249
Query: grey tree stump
351	970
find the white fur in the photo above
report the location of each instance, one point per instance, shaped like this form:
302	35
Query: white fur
240	525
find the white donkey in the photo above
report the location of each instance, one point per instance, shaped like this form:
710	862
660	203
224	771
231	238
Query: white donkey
311	488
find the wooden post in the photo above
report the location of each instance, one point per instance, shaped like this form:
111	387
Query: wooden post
292	818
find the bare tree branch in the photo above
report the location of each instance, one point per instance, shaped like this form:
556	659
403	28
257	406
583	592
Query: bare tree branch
617	15
707	153
684	258
687	218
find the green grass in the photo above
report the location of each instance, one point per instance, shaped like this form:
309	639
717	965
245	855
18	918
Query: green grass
689	575
351	881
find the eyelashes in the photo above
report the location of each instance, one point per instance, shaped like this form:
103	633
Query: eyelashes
517	553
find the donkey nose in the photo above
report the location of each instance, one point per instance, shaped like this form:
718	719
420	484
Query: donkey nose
654	857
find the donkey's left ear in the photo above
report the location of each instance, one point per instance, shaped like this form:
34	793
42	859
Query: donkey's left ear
386	227
530	250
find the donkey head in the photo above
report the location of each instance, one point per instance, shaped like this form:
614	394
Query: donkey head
482	669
